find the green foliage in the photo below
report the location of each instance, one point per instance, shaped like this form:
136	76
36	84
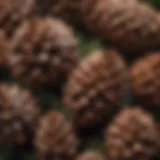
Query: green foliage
154	2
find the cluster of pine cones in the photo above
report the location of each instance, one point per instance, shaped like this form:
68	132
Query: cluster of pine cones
39	54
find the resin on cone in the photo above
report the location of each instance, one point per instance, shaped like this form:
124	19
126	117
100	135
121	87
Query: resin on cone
133	134
90	155
13	13
19	113
145	80
96	88
55	138
44	52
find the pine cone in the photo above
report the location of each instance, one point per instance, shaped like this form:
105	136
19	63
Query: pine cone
4	51
12	14
123	22
18	115
55	138
145	80
44	52
90	155
133	134
68	10
96	87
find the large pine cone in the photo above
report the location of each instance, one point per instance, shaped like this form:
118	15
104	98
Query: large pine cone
19	113
133	134
12	13
90	155
55	138
124	22
145	80
96	88
44	52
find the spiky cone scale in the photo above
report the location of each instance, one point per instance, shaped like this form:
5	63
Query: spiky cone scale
44	52
55	138
19	113
145	80
13	14
133	134
96	88
89	155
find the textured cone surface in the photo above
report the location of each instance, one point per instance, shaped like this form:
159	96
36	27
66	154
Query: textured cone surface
57	8
55	137
44	52
12	13
133	134
89	155
18	115
68	10
96	87
123	22
4	51
145	80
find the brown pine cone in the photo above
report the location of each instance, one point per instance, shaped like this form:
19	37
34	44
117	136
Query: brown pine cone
90	155
12	14
133	134
55	138
4	51
123	22
44	52
96	88
68	10
19	113
145	80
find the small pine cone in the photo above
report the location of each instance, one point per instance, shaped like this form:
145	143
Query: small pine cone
44	52
19	113
90	155
96	88
4	51
55	138
145	80
12	14
133	134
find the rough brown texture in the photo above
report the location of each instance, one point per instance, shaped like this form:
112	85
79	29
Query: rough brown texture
133	134
55	138
124	22
4	51
19	113
145	80
96	87
13	13
90	155
44	52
